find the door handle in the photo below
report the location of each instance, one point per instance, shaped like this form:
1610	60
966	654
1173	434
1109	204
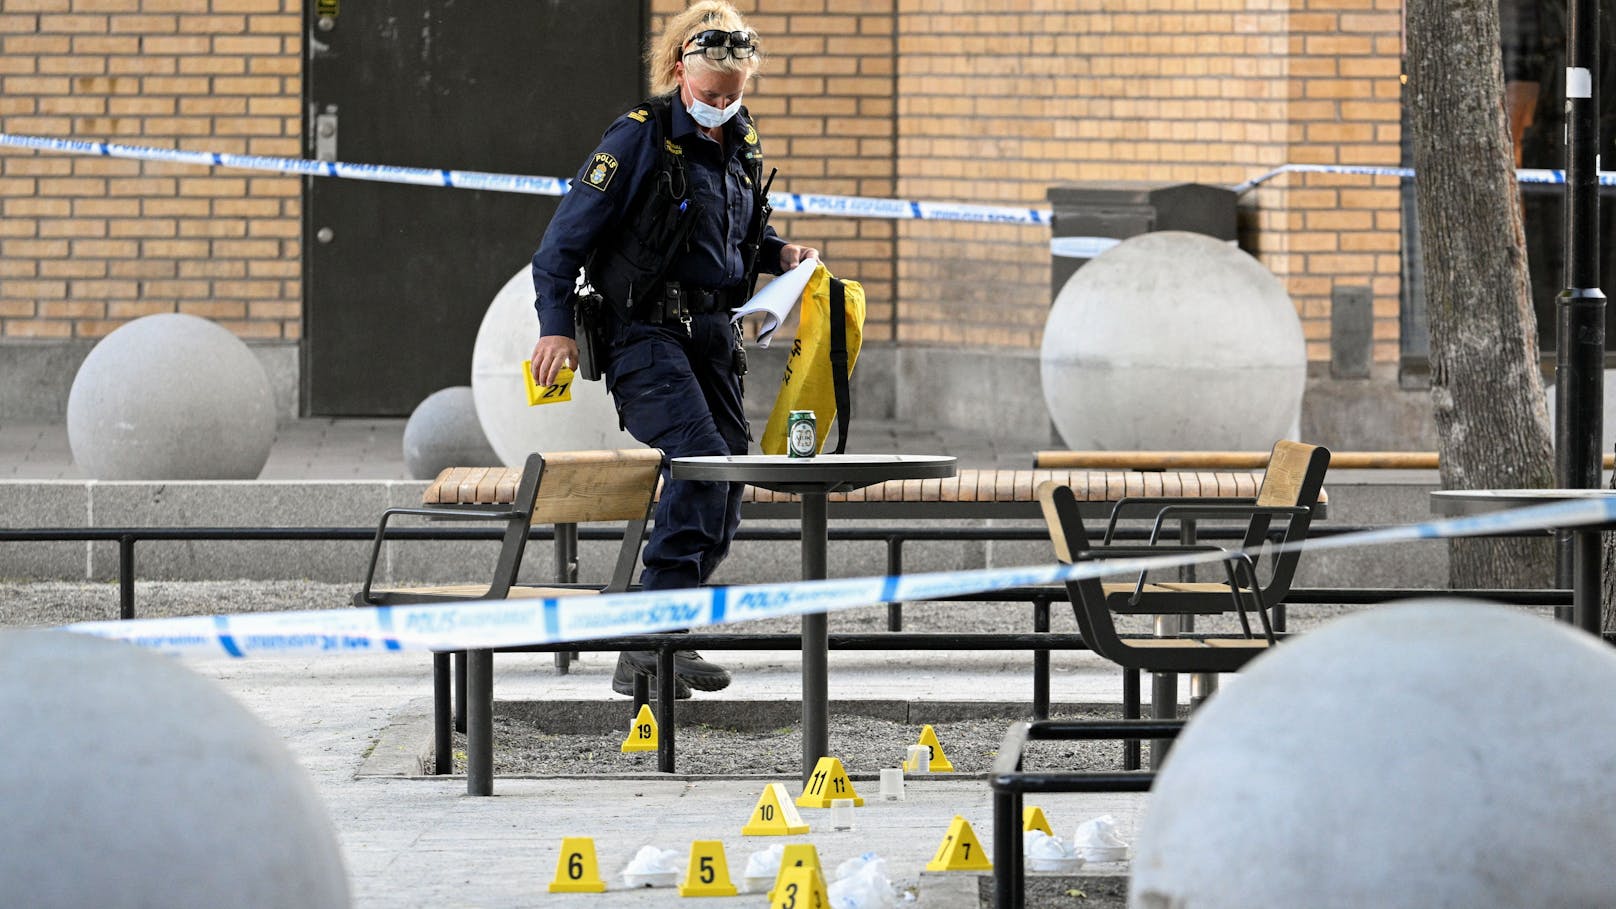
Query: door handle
325	134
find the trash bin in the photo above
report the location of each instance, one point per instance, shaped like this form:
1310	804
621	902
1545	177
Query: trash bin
1090	218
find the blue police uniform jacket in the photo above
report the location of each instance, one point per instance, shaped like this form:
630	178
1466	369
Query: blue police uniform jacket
607	186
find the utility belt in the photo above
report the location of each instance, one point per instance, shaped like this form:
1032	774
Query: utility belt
675	305
679	301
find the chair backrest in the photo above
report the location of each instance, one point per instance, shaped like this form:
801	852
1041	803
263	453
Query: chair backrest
1294	478
578	487
1067	533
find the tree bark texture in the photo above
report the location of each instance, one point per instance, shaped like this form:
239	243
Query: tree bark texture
1491	413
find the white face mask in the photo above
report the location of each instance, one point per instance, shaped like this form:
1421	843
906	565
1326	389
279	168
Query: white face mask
710	116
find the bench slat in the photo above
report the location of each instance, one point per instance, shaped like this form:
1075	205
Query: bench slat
497	486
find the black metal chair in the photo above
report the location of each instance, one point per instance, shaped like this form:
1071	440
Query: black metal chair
1091	602
560	488
1289	492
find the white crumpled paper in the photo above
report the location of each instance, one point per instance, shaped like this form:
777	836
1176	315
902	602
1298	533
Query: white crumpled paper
861	883
1097	840
762	867
652	867
1049	853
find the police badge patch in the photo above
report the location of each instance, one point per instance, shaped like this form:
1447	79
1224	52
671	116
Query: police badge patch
601	170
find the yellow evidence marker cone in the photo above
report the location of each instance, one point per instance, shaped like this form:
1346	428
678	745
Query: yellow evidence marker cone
799	888
642	736
1032	818
798	855
939	761
576	869
774	814
708	872
546	394
960	850
828	781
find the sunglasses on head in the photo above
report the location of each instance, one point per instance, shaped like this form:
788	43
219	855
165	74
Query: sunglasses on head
716	44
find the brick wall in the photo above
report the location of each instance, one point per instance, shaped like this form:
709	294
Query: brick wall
996	107
88	243
927	99
825	109
1344	108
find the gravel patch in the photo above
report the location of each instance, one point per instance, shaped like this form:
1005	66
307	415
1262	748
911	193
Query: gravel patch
864	745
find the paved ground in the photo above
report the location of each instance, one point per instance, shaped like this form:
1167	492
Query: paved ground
421	842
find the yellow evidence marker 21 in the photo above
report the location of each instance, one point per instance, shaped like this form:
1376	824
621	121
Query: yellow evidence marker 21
708	872
576	868
960	850
1032	818
939	761
828	781
546	394
799	888
642	736
774	814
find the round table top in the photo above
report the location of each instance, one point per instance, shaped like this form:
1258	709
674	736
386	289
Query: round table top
1477	501
823	473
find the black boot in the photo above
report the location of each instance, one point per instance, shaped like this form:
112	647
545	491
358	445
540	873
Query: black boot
688	667
623	681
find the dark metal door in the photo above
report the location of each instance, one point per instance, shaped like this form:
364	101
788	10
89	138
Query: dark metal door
396	278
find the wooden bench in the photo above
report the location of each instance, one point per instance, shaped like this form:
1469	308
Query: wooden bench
1234	460
973	493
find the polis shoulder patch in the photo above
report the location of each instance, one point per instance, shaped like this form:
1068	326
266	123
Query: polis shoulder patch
639	115
601	170
751	136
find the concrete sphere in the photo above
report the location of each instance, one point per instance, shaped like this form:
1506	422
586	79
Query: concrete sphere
443	432
1173	340
509	330
142	784
1443	753
171	397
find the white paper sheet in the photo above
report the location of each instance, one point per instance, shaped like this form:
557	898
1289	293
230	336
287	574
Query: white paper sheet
777	299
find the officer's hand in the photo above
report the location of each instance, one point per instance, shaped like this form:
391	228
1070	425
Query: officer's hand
552	353
791	255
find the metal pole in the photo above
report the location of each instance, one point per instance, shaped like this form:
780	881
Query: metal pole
126	577
894	567
815	643
460	690
1040	662
1009	877
1130	711
666	682
480	722
442	721
1580	309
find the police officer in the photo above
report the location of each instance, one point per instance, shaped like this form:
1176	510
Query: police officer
668	222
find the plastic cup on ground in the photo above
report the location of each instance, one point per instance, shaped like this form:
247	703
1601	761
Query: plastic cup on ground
918	759
892	784
841	814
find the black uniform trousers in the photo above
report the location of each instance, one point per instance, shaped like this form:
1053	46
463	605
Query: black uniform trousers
678	391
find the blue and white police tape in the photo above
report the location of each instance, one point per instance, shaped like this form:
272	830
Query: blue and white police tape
418	176
1523	175
799	203
511	623
808	204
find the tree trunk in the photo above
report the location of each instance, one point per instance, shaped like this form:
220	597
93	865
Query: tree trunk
1491	415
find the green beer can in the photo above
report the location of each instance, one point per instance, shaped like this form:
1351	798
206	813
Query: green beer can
802	435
